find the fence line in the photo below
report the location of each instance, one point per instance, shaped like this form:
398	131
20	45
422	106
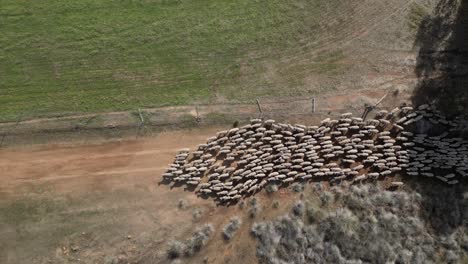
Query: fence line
144	121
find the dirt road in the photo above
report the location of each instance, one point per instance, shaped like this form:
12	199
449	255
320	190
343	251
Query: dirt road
58	197
74	168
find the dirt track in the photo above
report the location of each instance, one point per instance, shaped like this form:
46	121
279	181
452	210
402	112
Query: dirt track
52	194
89	167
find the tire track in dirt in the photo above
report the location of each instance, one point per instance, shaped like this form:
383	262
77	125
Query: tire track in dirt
104	166
156	170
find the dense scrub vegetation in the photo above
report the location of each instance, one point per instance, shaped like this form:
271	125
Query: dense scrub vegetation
367	225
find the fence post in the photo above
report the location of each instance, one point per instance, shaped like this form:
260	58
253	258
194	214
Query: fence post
313	104
141	116
259	108
197	118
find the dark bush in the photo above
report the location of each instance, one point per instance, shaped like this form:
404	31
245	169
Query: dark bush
326	198
298	187
198	239
182	204
254	210
192	245
276	204
271	188
175	249
231	228
314	215
196	214
298	209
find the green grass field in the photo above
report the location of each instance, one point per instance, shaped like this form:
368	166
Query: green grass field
62	57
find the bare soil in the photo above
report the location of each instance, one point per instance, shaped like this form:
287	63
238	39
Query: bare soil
90	198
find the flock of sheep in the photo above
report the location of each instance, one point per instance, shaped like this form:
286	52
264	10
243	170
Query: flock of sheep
241	161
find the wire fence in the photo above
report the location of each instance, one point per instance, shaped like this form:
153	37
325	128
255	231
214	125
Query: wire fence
146	121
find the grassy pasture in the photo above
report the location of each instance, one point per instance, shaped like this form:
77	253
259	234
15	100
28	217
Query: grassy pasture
60	57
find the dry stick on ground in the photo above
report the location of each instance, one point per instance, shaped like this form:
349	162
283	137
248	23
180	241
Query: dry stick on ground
370	108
